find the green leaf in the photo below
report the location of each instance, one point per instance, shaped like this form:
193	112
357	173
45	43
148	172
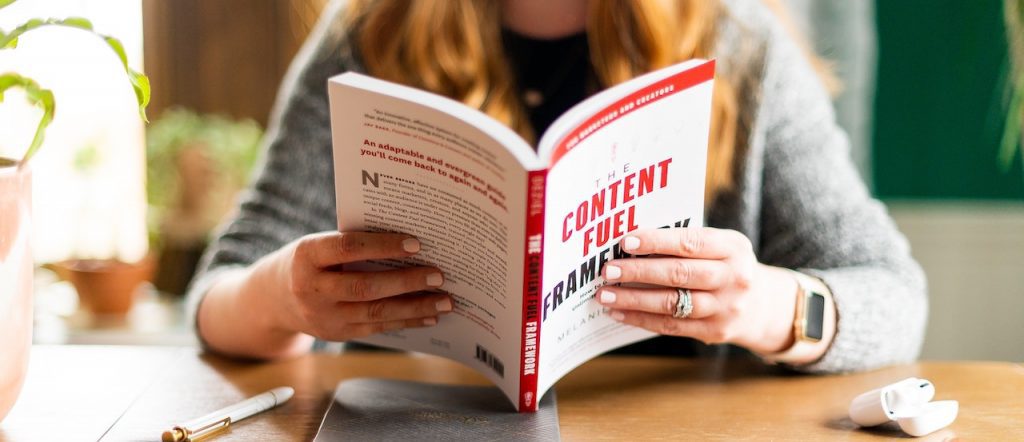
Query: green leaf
10	40
8	80
5	3
37	140
118	49
1012	131
36	95
139	82
78	22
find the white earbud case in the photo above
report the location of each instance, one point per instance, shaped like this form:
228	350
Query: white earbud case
908	402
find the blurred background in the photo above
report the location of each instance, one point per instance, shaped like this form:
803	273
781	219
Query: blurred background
123	211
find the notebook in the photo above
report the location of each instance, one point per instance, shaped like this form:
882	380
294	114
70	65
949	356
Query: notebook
392	410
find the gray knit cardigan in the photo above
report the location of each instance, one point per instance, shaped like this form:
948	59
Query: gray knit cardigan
797	195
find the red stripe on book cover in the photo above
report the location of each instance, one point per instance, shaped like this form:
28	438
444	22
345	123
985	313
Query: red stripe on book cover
650	94
532	272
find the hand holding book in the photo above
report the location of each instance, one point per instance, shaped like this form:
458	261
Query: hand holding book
305	289
735	298
337	304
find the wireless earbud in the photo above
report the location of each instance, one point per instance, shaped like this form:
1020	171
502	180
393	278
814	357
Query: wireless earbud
908	403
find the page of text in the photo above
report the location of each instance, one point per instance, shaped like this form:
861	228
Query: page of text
404	167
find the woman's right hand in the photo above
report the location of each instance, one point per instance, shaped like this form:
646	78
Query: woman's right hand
274	307
316	296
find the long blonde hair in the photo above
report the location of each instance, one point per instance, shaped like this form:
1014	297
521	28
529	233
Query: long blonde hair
453	48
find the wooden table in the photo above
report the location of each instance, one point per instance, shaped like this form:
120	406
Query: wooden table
133	393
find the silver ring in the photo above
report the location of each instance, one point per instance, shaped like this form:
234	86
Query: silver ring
684	304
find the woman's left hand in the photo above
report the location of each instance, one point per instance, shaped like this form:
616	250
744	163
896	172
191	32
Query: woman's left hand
735	298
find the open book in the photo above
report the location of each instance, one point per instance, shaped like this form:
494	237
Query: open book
521	234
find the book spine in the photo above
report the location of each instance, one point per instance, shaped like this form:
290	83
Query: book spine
533	271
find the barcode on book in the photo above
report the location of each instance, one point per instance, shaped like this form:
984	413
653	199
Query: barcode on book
486	357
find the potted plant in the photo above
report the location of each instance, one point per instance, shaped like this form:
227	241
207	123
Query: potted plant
104	286
16	263
195	166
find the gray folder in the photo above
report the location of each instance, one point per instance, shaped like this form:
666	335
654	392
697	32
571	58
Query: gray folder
390	410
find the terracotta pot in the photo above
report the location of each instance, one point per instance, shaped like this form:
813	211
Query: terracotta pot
106	287
15	280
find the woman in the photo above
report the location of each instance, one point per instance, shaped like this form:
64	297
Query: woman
788	213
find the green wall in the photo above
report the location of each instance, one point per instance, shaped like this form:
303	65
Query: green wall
938	106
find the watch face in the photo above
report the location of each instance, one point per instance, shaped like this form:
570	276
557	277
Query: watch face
814	317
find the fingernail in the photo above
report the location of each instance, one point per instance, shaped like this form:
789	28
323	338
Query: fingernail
435	279
612	273
630	243
444	305
411	245
430	321
607	297
617	315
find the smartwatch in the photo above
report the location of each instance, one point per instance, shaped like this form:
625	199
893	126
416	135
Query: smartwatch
814	324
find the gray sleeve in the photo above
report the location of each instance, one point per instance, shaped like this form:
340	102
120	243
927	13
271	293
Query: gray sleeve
293	191
818	217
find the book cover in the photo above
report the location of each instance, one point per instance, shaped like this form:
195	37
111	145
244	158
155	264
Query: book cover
393	410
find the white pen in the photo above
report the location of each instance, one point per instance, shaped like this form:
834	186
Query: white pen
201	427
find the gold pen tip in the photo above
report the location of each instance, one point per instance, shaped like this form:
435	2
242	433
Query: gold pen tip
175	435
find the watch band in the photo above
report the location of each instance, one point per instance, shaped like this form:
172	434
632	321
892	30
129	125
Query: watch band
809	342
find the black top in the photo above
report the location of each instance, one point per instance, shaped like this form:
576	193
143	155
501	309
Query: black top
551	75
